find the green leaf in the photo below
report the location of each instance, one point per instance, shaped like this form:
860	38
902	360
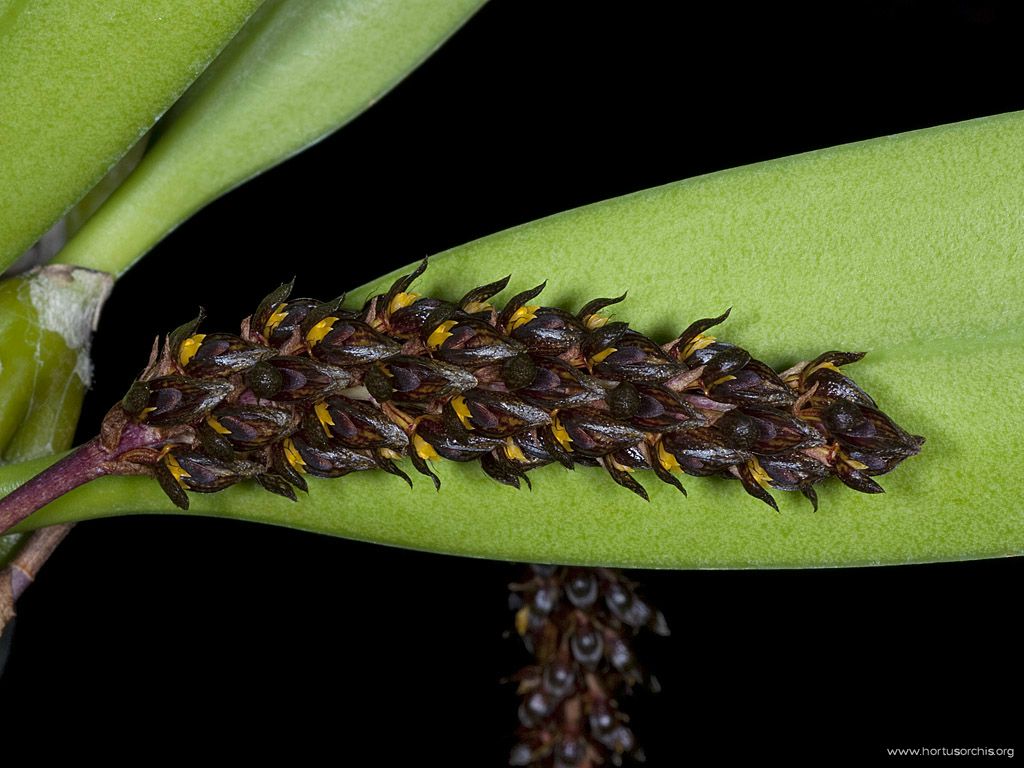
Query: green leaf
299	70
907	247
80	82
46	321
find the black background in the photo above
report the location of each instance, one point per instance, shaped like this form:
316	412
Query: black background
261	639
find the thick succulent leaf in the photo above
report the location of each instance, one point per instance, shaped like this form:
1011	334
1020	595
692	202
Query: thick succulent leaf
46	321
908	247
299	70
113	67
47	317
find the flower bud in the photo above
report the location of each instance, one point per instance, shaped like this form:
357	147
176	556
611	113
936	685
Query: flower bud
495	414
205	474
176	400
518	311
548	331
469	343
331	462
653	408
701	452
497	466
218	354
277	320
869	431
358	424
301	379
754	384
621	464
556	384
587	647
593	433
460	445
766	431
693	339
416	382
476	301
249	427
345	342
628	356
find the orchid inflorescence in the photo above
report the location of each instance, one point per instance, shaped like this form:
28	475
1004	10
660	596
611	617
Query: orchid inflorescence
309	388
579	625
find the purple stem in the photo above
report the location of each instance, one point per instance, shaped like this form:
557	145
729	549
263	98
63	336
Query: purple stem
80	466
